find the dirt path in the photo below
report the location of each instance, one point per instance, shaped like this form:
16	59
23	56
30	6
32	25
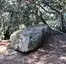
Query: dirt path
53	52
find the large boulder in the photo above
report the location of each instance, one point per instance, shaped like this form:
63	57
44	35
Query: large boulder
30	38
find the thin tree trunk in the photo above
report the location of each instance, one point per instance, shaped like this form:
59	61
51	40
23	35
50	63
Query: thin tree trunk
62	22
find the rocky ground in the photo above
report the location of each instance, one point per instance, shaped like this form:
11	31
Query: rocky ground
53	52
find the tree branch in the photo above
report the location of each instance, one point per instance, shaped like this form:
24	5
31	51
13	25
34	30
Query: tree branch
43	20
44	9
51	7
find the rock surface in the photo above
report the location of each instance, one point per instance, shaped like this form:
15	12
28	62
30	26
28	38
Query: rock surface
30	38
14	38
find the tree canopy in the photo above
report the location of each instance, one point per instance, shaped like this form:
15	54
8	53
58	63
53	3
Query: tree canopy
14	13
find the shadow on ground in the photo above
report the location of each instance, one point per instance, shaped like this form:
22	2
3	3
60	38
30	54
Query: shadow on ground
53	52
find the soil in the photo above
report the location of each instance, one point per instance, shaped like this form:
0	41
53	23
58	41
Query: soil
53	52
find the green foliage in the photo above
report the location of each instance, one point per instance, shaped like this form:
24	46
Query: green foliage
14	13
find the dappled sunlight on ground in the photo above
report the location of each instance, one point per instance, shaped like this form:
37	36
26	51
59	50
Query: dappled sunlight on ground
3	46
53	52
3	50
62	58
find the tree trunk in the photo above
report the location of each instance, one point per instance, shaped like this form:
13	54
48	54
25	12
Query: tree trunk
62	22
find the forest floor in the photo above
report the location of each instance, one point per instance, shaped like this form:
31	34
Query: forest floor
53	52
